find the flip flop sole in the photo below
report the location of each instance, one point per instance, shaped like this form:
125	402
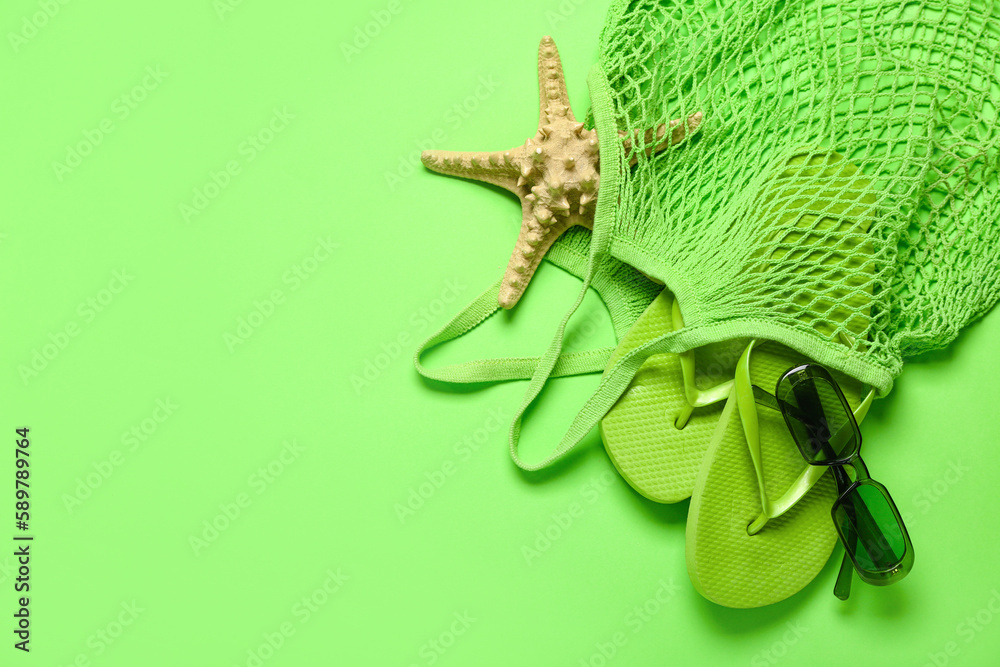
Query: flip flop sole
728	566
656	458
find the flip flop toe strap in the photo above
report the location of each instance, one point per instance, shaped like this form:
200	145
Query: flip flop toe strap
747	407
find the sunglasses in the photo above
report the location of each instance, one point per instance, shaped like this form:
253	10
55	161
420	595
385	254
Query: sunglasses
825	431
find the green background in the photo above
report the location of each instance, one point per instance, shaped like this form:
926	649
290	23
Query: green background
133	302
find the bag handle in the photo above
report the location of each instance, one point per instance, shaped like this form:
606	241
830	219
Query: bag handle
504	368
612	157
613	384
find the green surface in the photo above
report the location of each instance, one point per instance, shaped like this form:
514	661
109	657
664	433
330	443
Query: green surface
469	577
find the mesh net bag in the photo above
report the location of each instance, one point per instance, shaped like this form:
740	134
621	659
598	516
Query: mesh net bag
624	291
840	195
878	116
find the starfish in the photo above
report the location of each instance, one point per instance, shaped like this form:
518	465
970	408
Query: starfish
554	174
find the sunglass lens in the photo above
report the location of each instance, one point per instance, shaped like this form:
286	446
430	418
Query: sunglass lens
817	415
871	528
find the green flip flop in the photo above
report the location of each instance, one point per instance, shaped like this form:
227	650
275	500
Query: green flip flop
659	430
753	478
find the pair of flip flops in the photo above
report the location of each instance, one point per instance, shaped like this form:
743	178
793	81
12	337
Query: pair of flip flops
688	427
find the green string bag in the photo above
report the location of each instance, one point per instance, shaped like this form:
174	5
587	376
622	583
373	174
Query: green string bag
624	291
889	105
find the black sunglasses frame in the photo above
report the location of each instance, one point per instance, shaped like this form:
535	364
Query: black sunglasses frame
841	449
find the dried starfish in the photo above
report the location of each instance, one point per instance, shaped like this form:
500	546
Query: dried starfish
555	173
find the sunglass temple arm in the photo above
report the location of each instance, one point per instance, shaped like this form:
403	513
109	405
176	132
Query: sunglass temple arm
842	589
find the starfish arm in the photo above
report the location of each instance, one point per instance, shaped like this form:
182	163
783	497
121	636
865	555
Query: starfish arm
554	174
501	168
554	101
654	142
533	242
